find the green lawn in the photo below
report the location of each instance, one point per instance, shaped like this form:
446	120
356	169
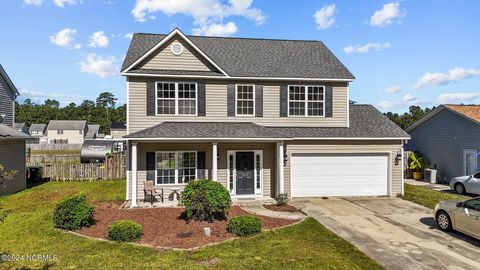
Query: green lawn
428	197
29	230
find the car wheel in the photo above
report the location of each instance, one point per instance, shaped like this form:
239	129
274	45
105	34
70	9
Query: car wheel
459	188
443	221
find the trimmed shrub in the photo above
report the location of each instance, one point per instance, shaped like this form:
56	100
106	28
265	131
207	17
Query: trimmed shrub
124	231
244	225
73	213
205	200
282	199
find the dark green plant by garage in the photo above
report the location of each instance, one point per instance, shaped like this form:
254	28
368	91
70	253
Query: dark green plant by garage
205	200
124	231
244	225
73	213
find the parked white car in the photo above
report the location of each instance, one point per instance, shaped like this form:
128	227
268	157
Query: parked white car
466	184
459	216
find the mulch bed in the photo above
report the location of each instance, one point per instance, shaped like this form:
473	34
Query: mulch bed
283	208
164	228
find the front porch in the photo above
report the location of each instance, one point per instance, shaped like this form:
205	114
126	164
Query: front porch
252	170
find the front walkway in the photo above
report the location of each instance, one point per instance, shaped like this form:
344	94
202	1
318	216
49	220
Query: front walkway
397	233
437	187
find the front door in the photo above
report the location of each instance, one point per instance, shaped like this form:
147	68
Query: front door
469	161
245	167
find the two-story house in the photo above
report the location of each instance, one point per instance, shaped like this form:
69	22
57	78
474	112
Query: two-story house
66	131
260	116
12	142
38	133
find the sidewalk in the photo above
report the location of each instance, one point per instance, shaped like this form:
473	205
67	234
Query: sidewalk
437	187
262	211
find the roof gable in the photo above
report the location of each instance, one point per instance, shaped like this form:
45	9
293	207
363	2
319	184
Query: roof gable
66	125
253	58
175	35
470	112
9	82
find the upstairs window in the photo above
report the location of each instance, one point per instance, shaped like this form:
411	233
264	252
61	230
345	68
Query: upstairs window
245	100
176	98
59	131
304	100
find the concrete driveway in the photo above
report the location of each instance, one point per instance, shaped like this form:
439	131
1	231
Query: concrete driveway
397	233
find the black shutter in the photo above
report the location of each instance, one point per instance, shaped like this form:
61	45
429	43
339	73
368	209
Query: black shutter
201	165
151	98
231	100
283	100
328	101
258	100
201	99
151	166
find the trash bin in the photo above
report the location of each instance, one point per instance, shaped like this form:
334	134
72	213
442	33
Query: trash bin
34	174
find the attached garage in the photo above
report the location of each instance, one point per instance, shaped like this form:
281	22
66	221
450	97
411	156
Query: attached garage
314	175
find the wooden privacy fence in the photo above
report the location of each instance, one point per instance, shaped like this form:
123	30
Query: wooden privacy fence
112	169
49	159
64	146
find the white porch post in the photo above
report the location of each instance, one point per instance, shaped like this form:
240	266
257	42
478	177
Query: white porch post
214	161
127	190
280	168
134	175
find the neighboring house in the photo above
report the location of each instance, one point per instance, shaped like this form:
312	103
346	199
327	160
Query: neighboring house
118	130
449	138
260	116
38	133
66	131
92	132
12	142
22	127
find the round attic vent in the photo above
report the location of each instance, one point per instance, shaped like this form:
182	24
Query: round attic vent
176	48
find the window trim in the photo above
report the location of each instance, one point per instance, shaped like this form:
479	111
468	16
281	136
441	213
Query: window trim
176	99
176	167
236	99
306	100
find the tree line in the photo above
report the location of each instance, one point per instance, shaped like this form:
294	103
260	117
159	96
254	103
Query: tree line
102	111
404	120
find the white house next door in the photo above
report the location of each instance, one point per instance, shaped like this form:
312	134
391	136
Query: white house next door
469	161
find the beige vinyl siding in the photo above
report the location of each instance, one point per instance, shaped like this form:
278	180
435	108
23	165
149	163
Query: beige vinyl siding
73	136
190	59
12	157
368	146
268	162
216	107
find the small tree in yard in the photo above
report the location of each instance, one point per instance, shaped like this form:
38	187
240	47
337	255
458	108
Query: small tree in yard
4	176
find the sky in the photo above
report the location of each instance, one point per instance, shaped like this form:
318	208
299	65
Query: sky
402	53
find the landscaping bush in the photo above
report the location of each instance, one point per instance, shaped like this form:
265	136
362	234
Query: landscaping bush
244	225
205	200
282	199
124	231
73	213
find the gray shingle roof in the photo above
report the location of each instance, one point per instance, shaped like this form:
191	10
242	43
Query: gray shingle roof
175	72
7	132
67	124
19	126
249	57
365	122
38	127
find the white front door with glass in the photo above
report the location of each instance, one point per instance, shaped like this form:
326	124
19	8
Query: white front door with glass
245	175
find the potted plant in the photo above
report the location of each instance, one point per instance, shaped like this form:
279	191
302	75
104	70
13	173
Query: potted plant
417	162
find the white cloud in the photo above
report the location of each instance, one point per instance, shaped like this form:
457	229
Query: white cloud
216	29
409	97
366	48
393	89
77	46
456	98
386	15
98	39
324	17
61	3
129	35
207	14
453	75
99	65
40	96
407	101
63	38
33	2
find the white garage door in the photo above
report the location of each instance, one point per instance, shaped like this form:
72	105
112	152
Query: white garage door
339	175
